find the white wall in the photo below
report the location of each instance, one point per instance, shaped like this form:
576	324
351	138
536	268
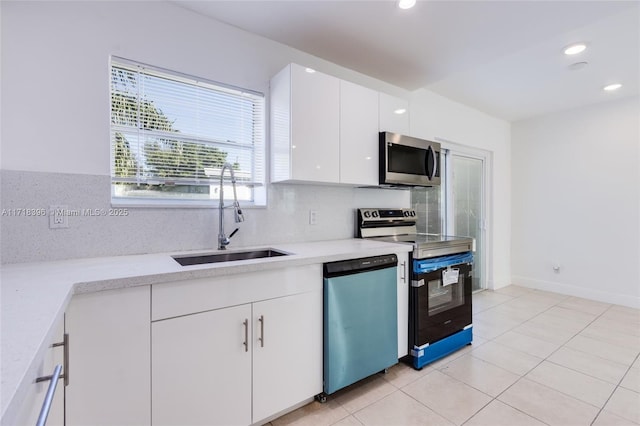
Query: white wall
54	146
55	71
435	117
575	193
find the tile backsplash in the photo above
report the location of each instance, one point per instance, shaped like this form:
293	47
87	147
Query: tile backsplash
426	202
155	230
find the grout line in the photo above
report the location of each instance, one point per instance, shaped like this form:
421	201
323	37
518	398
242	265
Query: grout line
619	385
520	376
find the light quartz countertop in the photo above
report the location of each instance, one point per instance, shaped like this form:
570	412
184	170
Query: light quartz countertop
34	296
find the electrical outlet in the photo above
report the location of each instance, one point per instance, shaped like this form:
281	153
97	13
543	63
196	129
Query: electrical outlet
313	217
58	217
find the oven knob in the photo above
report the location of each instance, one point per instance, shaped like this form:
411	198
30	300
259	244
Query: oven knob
406	214
367	214
375	213
413	212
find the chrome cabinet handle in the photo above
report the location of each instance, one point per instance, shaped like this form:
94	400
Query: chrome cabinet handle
403	277
65	362
261	338
48	399
246	335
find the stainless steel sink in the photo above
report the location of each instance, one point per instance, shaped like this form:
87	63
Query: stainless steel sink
230	256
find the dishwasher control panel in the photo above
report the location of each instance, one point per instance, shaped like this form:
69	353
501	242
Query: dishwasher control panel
363	264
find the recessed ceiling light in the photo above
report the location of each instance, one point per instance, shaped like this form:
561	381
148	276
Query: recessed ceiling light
310	70
400	111
574	49
406	4
612	87
577	66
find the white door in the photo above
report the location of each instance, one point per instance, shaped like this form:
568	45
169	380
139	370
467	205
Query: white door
287	357
403	303
315	126
393	114
358	134
109	351
201	368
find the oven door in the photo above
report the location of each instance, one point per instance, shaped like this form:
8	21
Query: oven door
439	304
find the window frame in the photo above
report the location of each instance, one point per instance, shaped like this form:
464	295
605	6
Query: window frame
258	151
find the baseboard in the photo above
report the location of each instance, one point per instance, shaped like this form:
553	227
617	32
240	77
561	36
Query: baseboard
572	290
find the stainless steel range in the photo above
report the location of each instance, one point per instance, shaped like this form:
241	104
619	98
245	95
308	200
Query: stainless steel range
440	312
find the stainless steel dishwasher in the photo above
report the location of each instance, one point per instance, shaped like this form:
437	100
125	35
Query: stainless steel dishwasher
360	320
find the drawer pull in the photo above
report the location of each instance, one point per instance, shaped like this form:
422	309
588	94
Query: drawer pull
246	335
48	399
261	339
65	362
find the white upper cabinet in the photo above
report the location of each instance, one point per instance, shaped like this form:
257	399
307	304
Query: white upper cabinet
392	118
325	130
358	134
305	126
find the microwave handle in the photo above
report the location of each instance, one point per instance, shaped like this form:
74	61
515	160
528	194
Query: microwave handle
432	154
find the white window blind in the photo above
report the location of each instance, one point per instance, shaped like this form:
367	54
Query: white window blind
171	134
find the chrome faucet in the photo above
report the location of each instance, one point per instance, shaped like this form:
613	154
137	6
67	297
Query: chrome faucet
223	240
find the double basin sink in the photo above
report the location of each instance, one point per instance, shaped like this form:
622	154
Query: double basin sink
230	256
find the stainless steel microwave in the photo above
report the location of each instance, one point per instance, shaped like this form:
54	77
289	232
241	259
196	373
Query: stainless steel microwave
409	161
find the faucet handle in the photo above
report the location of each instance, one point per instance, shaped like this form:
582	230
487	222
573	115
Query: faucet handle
238	213
233	233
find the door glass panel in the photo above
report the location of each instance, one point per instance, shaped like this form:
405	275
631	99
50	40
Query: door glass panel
467	193
426	201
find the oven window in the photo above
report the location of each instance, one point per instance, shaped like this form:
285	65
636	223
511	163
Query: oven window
445	297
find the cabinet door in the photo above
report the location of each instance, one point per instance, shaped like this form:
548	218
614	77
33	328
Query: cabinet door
358	134
404	270
55	356
201	368
391	120
34	397
287	359
109	352
315	126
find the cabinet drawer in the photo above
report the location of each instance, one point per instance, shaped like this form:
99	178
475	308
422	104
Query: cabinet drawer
179	298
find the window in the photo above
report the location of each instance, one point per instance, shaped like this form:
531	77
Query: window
171	134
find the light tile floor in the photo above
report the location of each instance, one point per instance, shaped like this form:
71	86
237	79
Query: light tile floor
537	358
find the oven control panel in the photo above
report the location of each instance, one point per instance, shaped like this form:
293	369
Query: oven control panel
387	215
385	222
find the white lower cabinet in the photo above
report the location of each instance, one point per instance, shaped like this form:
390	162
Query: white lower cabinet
109	352
404	281
36	392
201	370
287	352
236	365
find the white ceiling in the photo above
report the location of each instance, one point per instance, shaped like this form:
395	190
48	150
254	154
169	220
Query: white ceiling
502	57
